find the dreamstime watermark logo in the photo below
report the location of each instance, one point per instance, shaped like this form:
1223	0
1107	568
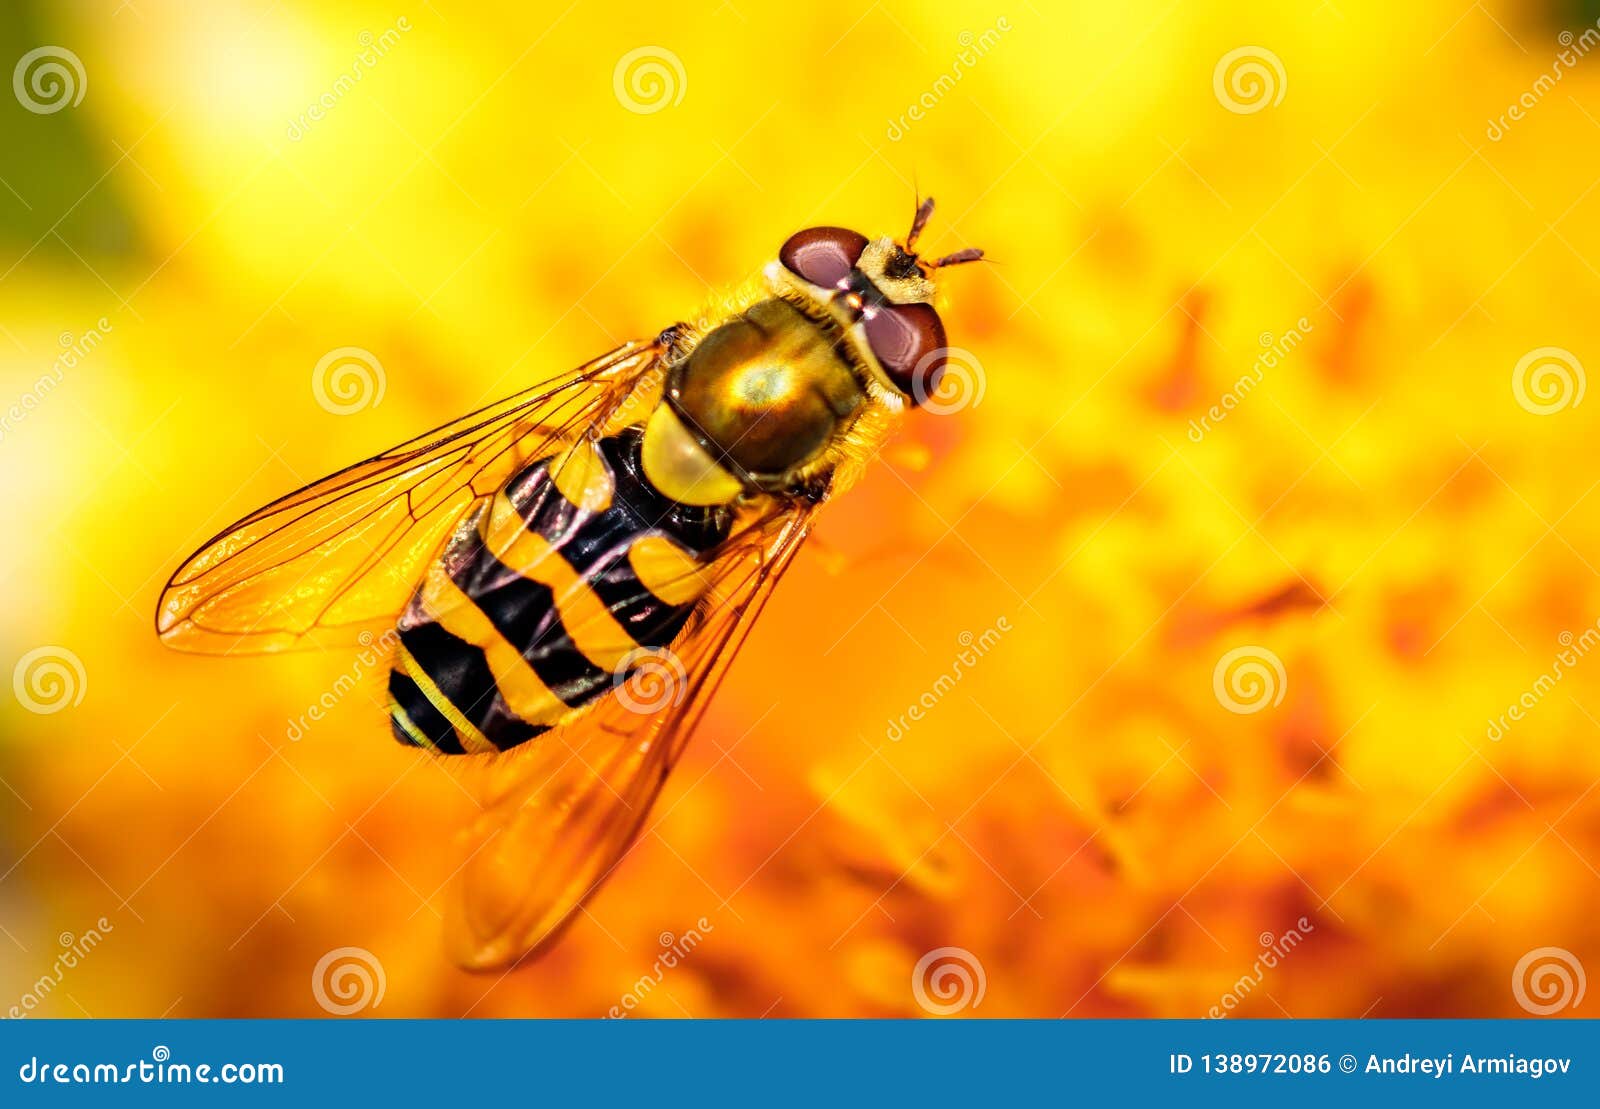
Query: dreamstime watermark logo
49	679
347	980
347	380
674	950
75	348
48	79
1547	980
1248	679
648	80
1573	49
1274	949
374	654
648	680
373	48
74	949
1548	380
1573	650
973	47
947	380
947	980
973	648
1249	79
1278	348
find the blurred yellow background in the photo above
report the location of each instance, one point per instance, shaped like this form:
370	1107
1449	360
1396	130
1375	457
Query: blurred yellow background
1319	220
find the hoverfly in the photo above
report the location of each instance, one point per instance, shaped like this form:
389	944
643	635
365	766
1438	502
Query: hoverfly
623	523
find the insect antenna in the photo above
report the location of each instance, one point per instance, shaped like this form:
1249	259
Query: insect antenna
918	222
970	254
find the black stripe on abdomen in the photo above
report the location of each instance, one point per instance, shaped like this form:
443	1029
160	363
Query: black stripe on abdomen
461	673
410	699
524	612
650	621
636	508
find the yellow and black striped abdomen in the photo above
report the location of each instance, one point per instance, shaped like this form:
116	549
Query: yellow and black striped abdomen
540	597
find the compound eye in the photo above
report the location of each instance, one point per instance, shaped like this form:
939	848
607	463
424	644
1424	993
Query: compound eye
823	255
908	341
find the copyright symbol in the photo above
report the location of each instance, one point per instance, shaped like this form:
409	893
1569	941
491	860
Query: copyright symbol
1347	1063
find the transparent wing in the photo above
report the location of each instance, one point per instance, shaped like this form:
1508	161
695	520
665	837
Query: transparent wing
342	555
561	813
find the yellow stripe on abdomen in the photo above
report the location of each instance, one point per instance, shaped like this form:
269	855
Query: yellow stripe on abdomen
472	739
669	572
592	627
523	690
